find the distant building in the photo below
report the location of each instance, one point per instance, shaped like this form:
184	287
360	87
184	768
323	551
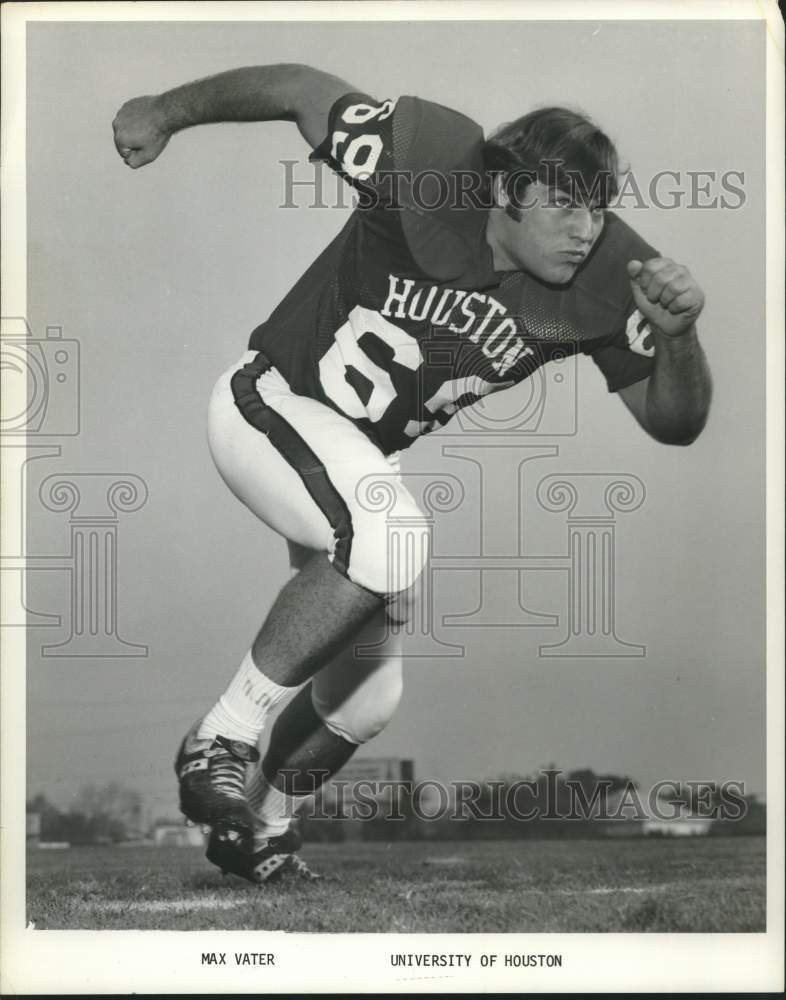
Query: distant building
668	820
33	835
660	818
695	826
33	828
357	800
178	835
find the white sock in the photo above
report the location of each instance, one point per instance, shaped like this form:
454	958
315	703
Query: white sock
273	808
241	710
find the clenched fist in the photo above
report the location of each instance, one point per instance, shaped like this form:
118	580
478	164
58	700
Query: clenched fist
666	294
141	131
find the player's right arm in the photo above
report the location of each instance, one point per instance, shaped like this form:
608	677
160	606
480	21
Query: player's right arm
283	92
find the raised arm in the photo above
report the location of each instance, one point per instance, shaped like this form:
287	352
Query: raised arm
283	92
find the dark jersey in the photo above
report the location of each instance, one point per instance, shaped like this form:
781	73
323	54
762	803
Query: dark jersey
402	319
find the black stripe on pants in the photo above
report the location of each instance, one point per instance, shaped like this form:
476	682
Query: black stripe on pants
296	452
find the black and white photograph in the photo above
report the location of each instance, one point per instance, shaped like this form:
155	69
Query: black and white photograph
392	469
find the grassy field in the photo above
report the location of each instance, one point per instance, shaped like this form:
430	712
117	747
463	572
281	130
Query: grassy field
698	885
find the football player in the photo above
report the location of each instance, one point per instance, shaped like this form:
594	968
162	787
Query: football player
467	264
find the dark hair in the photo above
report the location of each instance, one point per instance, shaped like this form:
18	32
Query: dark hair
558	147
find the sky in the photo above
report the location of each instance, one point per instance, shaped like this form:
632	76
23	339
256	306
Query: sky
162	273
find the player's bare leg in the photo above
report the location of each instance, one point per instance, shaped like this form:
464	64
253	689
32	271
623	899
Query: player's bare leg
297	465
347	703
312	619
314	616
303	753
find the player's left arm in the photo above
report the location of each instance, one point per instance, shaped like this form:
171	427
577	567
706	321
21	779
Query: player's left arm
673	402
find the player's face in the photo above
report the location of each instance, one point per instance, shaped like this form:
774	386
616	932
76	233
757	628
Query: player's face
552	237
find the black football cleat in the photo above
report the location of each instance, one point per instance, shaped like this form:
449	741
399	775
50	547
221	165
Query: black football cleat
212	776
267	861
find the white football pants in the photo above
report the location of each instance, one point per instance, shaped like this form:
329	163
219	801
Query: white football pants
313	477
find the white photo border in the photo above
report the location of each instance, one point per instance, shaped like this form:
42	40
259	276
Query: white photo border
168	961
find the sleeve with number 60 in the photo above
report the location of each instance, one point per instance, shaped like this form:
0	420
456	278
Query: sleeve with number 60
407	159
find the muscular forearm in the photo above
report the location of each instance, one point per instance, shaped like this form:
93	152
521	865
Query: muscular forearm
679	392
251	93
287	91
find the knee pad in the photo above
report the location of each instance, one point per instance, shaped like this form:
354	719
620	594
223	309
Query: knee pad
362	714
389	555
